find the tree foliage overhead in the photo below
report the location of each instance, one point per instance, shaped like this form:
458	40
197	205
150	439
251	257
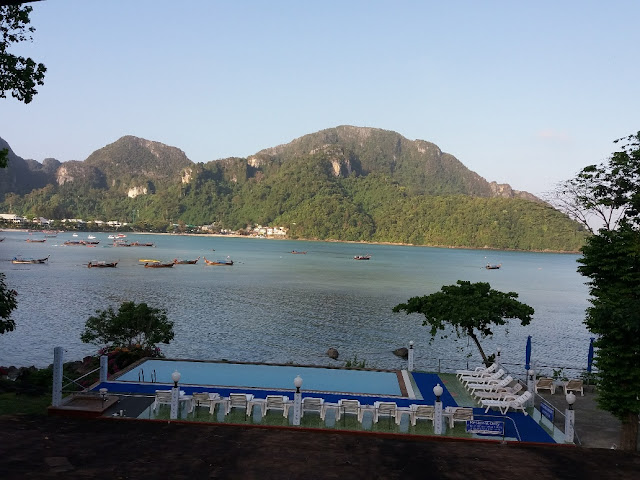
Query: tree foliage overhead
132	325
8	304
18	75
611	261
471	309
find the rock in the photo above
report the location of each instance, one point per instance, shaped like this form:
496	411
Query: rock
332	353
401	352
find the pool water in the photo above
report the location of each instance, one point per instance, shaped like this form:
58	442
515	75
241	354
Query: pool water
266	376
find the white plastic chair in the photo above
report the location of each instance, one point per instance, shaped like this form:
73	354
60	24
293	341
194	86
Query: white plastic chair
483	378
313	404
239	400
348	406
490	385
421	412
385	409
163	397
498	393
276	402
478	372
517	403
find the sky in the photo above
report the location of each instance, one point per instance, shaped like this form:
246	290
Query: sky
525	93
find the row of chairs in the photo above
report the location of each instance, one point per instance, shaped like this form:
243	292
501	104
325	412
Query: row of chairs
313	404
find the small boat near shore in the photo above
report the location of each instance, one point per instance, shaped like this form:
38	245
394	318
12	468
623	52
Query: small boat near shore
362	257
158	265
20	260
102	264
228	261
296	252
185	262
35	240
140	244
490	266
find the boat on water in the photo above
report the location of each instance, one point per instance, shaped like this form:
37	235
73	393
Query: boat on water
74	235
75	243
228	261
91	237
148	260
362	257
296	252
35	240
2	239
490	266
20	260
140	244
185	262
158	265
102	264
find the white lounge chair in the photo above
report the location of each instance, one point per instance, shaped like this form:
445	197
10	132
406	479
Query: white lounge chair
421	412
385	409
479	371
516	403
545	383
348	406
574	386
204	399
498	393
276	402
163	397
313	404
483	378
490	385
458	414
239	400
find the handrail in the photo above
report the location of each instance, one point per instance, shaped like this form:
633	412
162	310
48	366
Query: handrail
79	378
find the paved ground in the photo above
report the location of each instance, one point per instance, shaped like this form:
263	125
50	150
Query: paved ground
55	447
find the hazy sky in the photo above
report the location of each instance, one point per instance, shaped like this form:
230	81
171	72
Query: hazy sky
525	93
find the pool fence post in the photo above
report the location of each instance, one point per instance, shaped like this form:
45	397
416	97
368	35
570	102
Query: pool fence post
410	357
569	418
175	396
437	414
297	401
531	386
56	394
104	371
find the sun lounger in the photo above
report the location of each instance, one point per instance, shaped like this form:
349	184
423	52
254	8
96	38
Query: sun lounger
483	378
490	385
516	403
479	371
312	404
545	383
498	393
458	414
421	412
574	386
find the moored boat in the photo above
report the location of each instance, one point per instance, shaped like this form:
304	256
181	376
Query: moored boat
296	252
140	244
185	262
362	257
20	260
489	266
158	265
75	243
228	261
102	264
35	240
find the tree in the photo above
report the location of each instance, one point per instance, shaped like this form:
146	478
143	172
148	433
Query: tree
8	303
611	260
470	308
132	326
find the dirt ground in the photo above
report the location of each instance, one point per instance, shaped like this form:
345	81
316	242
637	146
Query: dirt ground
110	448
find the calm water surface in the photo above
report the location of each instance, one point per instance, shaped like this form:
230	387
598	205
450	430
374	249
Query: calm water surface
272	306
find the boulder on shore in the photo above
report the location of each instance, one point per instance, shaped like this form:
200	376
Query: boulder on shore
332	353
401	352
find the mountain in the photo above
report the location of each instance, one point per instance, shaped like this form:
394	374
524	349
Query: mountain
342	183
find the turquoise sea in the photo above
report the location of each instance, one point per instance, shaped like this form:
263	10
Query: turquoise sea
272	306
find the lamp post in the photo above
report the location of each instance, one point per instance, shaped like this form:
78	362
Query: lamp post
437	415
569	418
531	386
410	357
175	395
297	400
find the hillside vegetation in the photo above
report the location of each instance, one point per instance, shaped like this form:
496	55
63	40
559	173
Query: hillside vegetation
344	183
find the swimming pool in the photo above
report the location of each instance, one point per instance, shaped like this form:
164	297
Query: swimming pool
266	376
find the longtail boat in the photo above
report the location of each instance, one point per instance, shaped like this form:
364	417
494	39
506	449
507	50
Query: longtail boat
228	261
102	264
35	240
296	252
158	265
362	257
20	260
185	262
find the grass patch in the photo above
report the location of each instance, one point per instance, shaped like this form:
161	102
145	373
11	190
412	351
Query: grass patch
12	404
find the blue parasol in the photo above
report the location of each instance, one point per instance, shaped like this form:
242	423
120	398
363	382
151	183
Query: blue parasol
527	360
590	356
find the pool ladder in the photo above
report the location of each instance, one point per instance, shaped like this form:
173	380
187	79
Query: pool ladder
154	378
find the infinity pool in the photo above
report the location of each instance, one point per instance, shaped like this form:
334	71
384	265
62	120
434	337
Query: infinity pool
266	376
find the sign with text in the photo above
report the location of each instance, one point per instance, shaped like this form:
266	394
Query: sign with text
547	410
485	427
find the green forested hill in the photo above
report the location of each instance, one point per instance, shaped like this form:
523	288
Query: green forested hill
345	183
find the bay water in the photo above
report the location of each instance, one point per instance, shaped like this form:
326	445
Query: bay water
274	306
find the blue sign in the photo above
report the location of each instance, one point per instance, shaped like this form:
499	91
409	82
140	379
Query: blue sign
547	411
485	427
